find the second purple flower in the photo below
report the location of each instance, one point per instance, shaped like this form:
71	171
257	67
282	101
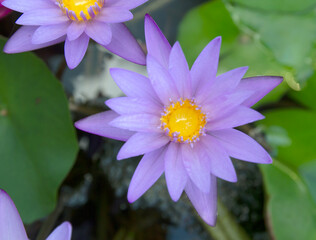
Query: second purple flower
48	22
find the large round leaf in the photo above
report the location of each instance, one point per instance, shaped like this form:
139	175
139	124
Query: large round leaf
290	181
37	139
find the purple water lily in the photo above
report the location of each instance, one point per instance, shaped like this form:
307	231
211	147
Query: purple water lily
3	10
11	225
183	121
47	22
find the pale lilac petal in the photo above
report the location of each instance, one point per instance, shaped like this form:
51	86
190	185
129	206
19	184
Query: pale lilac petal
21	41
62	232
205	66
148	171
99	124
220	164
125	45
179	70
204	203
75	50
141	143
260	85
223	84
240	116
23	6
11	225
130	105
38	17
114	15
134	84
128	4
75	30
157	44
161	81
49	33
99	32
223	105
138	122
175	173
241	146
194	163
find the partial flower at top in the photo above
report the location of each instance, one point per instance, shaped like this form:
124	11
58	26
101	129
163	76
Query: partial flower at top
11	225
3	10
183	121
47	22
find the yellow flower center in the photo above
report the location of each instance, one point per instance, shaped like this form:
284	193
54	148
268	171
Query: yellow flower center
81	10
183	121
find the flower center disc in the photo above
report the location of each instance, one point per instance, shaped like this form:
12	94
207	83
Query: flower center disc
183	121
81	10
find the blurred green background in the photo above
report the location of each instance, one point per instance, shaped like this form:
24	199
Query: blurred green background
53	176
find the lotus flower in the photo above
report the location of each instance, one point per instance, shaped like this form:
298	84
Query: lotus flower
48	22
11	225
183	121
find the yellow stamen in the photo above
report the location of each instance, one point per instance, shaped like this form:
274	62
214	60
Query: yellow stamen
81	10
183	121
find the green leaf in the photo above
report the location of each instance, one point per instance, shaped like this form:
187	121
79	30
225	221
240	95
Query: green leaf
307	95
280	6
291	211
238	49
290	36
299	127
38	142
290	181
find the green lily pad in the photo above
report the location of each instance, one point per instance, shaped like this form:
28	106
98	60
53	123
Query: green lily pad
291	211
289	35
290	181
38	142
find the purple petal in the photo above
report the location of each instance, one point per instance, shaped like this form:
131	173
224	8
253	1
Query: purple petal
204	68
241	146
38	17
134	84
21	41
179	70
125	45
99	124
23	6
204	203
223	84
62	232
240	116
260	85
224	105
128	4
161	81
196	165
176	175
141	143
220	164
11	225
138	122
148	171
157	44
75	30
130	105
49	33
99	32
75	50
114	15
